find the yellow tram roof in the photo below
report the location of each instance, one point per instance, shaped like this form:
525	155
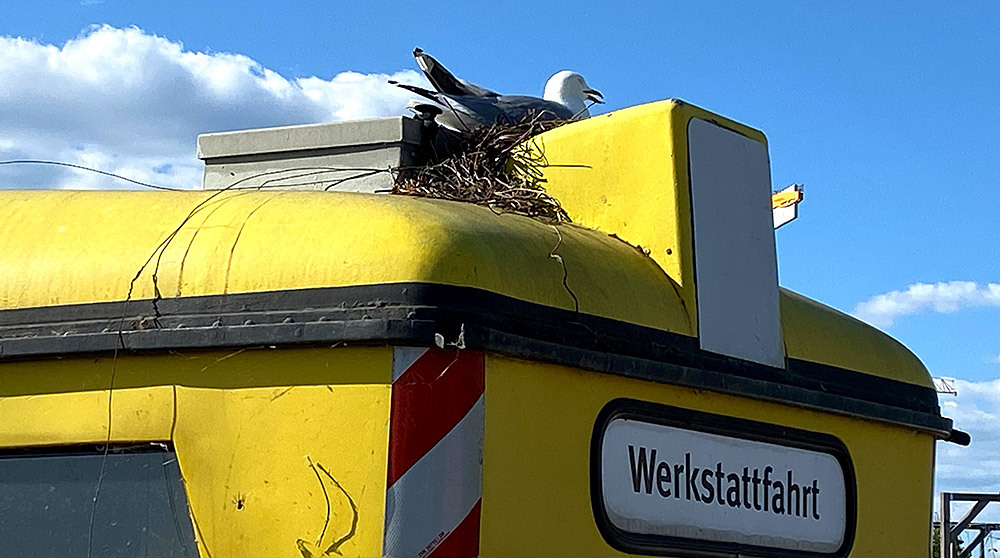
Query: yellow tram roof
206	268
75	247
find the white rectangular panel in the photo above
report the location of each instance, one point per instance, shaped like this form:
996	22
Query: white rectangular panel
665	481
736	270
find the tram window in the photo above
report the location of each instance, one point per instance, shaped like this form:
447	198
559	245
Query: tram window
47	502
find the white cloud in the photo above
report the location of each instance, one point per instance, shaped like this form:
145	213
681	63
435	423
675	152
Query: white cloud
976	468
132	103
883	310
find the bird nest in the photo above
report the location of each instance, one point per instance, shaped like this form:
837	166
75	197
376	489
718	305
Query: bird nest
498	166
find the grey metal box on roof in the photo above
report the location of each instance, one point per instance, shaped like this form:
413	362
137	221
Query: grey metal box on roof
347	156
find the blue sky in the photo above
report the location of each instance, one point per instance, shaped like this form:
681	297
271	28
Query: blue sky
889	117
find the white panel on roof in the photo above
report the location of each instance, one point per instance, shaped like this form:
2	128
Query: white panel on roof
736	270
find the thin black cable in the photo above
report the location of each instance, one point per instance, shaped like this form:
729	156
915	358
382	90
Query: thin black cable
88	169
157	254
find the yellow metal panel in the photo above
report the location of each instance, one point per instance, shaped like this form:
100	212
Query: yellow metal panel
821	334
61	418
623	173
536	462
255	431
249	456
73	247
626	173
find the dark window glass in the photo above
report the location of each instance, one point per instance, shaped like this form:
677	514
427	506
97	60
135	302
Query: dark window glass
47	501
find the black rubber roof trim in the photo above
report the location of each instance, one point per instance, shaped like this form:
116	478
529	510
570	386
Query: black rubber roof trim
414	313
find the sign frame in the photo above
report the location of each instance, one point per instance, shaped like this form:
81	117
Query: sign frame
724	425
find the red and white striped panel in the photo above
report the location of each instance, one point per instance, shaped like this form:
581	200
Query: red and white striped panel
435	454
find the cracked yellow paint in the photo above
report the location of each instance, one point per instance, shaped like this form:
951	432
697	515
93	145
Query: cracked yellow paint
626	173
623	174
247	425
339	506
289	240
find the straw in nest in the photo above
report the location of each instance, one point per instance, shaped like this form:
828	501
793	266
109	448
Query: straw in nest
497	166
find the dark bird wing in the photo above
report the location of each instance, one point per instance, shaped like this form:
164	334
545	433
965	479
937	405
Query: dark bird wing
519	107
426	93
454	113
465	112
446	82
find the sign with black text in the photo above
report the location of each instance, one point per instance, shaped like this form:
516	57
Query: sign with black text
681	479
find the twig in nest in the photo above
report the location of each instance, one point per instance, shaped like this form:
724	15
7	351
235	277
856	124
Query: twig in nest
497	166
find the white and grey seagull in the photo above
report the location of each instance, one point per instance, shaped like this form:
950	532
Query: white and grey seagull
464	105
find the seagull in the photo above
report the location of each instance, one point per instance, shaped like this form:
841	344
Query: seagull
446	82
463	106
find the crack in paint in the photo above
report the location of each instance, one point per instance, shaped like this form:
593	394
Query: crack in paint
232	250
194	236
323	545
565	279
283	392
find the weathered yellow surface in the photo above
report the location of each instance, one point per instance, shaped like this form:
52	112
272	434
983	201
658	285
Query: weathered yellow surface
626	173
821	334
536	462
622	173
64	247
246	426
253	427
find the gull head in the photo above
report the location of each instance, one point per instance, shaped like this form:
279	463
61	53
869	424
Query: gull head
570	89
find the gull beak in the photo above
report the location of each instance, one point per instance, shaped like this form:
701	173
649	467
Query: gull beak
594	95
